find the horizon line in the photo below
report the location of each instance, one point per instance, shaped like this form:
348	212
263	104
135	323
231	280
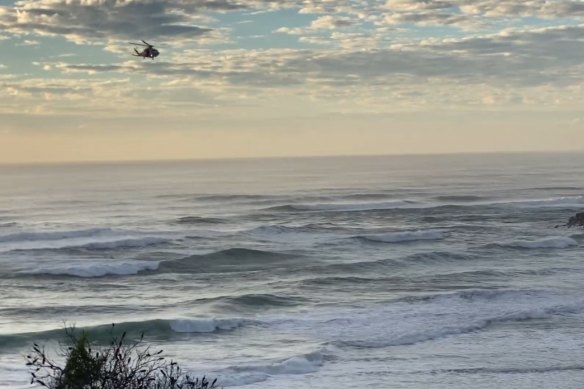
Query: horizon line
315	156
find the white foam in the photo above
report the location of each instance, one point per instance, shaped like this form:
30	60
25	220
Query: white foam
368	206
406	236
204	325
253	373
552	202
124	243
90	270
53	235
408	322
93	239
552	242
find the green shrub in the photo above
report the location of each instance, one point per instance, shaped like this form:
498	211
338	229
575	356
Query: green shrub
119	365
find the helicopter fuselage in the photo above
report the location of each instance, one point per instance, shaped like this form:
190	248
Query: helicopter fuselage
148	52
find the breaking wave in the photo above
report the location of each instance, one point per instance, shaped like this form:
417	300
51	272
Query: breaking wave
512	370
247	374
150	328
91	270
195	220
229	260
349	207
420	259
54	235
554	202
278	230
122	243
204	325
553	242
441	202
76	247
403	236
234	197
460	198
251	301
423	319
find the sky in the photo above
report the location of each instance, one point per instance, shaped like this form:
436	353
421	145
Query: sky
255	78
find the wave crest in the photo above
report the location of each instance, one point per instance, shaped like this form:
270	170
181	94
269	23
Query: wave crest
262	301
427	318
54	235
122	243
233	259
92	270
204	325
194	220
552	242
254	373
566	202
133	329
403	236
348	207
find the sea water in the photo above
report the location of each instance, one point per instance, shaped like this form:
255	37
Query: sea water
386	272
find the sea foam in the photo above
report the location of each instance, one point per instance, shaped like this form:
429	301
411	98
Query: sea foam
552	202
204	325
134	329
351	207
90	270
427	318
54	235
247	374
552	242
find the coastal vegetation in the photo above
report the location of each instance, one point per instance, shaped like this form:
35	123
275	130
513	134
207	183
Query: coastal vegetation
121	364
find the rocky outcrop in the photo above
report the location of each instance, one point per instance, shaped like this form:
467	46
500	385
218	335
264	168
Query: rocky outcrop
576	221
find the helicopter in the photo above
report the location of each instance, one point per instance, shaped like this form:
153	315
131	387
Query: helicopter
148	52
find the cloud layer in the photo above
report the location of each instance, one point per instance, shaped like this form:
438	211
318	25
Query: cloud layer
318	56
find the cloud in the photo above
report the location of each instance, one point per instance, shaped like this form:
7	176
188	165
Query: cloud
523	58
29	42
472	14
96	20
539	8
329	22
371	55
309	34
180	21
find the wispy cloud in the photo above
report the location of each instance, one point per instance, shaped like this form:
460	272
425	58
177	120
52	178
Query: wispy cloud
83	21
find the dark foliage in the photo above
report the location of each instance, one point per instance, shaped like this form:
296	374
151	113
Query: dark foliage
120	365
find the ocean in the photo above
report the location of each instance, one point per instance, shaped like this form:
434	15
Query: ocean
384	272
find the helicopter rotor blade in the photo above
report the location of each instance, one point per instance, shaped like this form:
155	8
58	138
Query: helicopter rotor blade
137	44
148	44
